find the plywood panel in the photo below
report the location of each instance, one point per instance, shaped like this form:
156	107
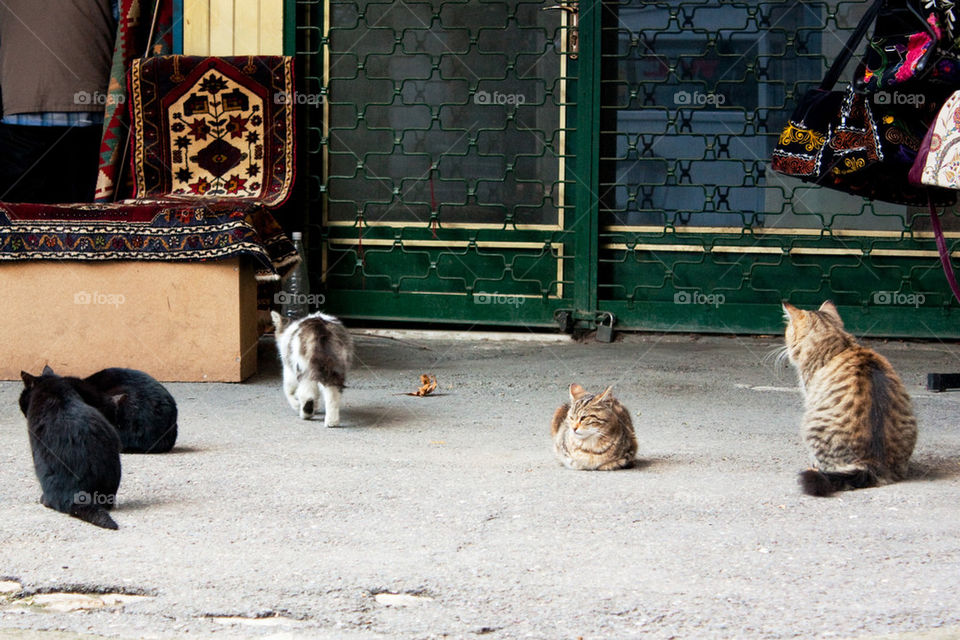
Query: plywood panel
221	27
271	27
196	27
177	321
246	31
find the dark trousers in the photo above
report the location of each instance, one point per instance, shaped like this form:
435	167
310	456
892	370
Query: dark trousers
48	164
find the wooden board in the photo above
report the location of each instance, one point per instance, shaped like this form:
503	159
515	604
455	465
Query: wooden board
196	27
232	27
178	321
221	28
271	27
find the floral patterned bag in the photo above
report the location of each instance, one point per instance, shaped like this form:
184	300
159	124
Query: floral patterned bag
938	163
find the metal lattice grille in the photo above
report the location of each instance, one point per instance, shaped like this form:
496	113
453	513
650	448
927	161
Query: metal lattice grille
696	232
467	165
442	151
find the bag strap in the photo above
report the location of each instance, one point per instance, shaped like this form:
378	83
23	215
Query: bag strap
850	47
942	250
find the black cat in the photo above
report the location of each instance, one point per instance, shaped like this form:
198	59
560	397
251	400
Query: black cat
142	410
76	451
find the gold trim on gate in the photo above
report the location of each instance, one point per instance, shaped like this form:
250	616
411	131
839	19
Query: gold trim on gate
794	251
325	125
776	231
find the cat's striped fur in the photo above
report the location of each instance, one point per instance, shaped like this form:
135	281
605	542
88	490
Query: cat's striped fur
593	432
316	351
858	422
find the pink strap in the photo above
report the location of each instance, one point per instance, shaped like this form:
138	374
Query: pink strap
942	250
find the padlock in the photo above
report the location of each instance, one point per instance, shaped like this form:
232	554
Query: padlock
605	331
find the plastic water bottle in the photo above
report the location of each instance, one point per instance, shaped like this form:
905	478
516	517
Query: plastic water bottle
296	288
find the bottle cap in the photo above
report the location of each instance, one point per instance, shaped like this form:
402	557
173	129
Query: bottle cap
296	235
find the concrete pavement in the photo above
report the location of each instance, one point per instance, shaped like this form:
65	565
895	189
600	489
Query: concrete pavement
263	525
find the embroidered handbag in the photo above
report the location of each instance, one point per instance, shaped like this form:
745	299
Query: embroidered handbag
912	41
854	143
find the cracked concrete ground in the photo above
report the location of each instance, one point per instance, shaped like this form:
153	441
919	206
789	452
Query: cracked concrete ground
263	525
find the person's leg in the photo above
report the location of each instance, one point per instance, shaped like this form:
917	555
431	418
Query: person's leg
48	164
20	149
82	145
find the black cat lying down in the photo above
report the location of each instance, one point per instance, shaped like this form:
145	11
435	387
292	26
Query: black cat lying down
142	410
76	451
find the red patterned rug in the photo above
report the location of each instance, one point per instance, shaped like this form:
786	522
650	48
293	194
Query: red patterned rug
213	145
213	127
146	230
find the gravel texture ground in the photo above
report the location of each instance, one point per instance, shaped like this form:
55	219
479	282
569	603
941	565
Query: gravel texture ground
448	517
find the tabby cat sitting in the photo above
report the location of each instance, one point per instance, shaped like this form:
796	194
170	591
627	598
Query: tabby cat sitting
858	421
593	432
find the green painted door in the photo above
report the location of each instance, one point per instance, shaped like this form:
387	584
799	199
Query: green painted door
512	163
441	151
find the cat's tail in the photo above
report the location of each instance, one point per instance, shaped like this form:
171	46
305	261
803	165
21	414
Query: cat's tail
94	514
823	483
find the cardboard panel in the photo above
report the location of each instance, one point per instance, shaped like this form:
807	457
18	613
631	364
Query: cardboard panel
176	321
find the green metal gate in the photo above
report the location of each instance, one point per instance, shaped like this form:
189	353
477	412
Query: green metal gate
525	163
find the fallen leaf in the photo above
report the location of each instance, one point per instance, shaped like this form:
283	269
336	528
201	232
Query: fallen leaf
428	384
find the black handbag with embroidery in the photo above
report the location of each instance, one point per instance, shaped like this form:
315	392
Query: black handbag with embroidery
912	45
853	142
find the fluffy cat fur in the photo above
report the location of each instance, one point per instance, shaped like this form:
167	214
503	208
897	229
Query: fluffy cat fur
142	410
76	451
858	421
315	351
593	432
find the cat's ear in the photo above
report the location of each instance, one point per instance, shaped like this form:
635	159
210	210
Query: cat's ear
831	310
603	396
28	380
47	371
277	321
789	311
576	391
118	399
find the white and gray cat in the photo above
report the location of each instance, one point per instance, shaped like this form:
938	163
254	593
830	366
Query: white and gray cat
316	352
